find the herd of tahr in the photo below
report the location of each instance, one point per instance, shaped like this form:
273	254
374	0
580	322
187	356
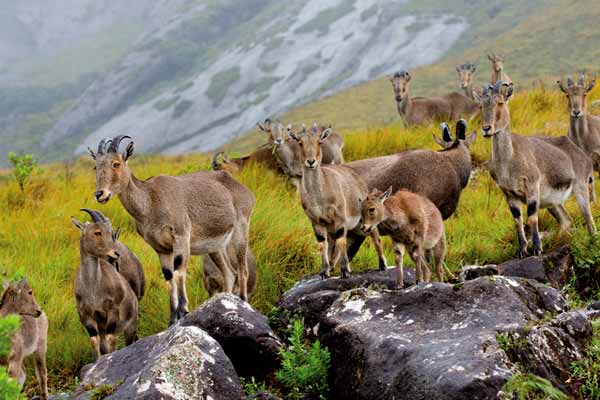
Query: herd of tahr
406	196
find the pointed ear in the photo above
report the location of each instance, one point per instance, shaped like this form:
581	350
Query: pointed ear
22	284
561	86
77	224
458	68
116	234
590	85
490	57
262	128
5	284
92	153
325	134
461	129
292	134
386	194
469	141
473	67
476	96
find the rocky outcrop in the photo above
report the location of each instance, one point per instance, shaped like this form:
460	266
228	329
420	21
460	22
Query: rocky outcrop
435	341
549	349
180	363
312	296
244	334
554	268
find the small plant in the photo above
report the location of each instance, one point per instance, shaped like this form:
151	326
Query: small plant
103	391
23	167
251	386
531	387
9	388
586	253
304	368
586	372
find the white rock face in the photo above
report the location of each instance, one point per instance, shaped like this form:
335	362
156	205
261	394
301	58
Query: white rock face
283	56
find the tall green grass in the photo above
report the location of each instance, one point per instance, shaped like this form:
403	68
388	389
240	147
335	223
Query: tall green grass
37	236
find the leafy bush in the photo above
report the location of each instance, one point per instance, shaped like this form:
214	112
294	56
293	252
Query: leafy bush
304	368
586	372
9	388
251	386
531	387
23	167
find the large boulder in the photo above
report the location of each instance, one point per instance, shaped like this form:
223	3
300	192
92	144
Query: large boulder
434	341
180	363
311	296
243	333
554	268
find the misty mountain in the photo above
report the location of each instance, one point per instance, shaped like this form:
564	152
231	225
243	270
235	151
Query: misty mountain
188	75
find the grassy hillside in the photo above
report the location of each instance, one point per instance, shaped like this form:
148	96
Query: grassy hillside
38	239
539	44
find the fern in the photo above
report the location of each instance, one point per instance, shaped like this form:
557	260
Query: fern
304	368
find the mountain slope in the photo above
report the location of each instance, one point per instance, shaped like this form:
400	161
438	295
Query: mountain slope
263	61
538	44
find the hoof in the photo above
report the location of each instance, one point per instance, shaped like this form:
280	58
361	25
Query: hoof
521	254
181	314
382	266
324	276
537	252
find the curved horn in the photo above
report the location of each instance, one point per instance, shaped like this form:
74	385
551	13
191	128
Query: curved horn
570	81
102	145
498	85
461	129
581	79
115	142
446	135
315	128
215	161
97	216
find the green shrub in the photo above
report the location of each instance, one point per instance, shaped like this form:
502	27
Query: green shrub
252	387
9	388
23	167
586	254
586	372
304	368
531	387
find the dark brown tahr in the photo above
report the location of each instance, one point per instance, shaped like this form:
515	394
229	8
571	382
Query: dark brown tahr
439	176
200	213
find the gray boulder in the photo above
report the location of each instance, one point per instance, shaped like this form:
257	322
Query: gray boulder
243	333
434	341
312	296
179	363
554	268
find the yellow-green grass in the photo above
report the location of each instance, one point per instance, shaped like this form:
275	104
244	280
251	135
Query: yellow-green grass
38	239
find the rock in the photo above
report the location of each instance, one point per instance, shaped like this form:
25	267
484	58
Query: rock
179	363
470	272
243	333
595	305
311	296
553	268
549	350
434	341
58	396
